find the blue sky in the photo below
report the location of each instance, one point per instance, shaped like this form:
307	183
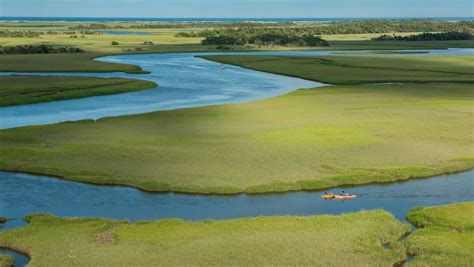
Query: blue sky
238	8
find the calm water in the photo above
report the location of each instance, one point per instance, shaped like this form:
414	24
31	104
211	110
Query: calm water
22	194
185	81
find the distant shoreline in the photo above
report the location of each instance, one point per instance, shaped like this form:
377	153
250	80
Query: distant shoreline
111	19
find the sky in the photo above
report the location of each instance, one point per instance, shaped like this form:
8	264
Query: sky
237	8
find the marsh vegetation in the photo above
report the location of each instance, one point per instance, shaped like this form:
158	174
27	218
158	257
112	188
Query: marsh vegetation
443	36
361	70
308	139
6	261
355	238
39	49
25	89
445	236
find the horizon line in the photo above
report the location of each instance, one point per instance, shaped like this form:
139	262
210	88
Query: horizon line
84	17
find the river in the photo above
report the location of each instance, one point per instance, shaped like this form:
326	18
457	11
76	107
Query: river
184	81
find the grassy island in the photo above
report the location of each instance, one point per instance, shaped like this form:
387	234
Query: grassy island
346	70
308	139
445	237
354	239
23	89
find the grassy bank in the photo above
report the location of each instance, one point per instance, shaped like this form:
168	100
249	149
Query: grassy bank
24	89
379	52
308	139
323	240
6	261
446	237
77	62
361	70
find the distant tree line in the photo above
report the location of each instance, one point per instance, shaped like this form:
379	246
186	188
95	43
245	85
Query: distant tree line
311	28
95	26
179	25
39	49
34	34
347	27
209	24
20	34
443	36
319	28
386	26
265	39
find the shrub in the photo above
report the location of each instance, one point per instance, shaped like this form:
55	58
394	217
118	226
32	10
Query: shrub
19	34
224	47
266	39
39	49
444	36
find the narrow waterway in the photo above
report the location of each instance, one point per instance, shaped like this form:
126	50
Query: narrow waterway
20	259
184	81
23	194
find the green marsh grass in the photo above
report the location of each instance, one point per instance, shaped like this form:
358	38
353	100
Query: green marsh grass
323	240
445	236
361	70
25	89
308	139
75	62
6	261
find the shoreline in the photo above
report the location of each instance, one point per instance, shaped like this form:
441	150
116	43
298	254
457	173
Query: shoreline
214	50
26	254
236	193
15	250
332	83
